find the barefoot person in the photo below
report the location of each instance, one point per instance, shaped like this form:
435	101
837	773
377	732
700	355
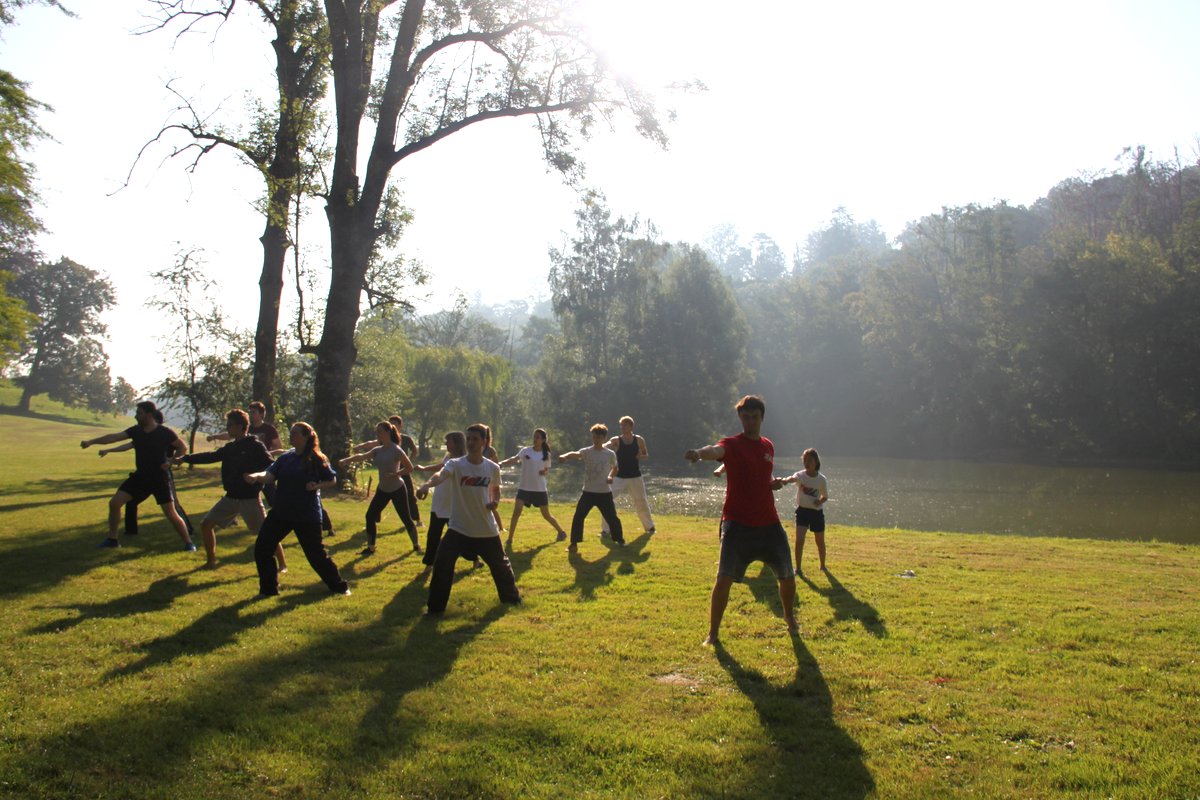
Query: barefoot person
392	463
268	434
475	493
154	444
298	475
750	527
531	491
599	467
812	490
243	453
631	449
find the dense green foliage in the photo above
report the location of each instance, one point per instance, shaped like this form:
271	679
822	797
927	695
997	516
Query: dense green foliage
1065	330
647	329
62	353
1068	328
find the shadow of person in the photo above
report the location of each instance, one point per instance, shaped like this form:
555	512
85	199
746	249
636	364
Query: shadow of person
158	596
522	560
270	697
216	629
591	575
846	606
809	754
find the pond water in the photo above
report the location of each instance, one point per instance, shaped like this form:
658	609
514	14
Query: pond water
956	496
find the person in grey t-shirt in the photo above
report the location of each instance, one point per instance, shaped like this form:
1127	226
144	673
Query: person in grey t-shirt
392	463
599	468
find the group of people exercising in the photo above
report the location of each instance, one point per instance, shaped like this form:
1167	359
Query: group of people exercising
465	484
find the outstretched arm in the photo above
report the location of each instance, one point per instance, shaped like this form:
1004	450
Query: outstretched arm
434	480
354	459
108	438
118	449
264	477
571	456
712	452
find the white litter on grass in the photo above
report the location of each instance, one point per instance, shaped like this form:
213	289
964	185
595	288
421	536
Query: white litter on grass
908	573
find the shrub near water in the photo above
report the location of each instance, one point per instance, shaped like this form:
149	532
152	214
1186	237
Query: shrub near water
1003	668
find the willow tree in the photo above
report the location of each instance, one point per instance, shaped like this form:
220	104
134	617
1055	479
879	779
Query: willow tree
451	64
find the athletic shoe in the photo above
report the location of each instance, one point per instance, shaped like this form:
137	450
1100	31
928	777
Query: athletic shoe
562	537
109	543
652	531
190	547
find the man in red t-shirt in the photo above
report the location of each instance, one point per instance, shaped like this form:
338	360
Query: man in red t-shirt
750	527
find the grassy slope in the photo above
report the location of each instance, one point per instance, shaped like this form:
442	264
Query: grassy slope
1005	668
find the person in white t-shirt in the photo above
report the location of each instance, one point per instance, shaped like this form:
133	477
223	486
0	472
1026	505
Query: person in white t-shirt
531	491
475	493
599	468
812	490
439	509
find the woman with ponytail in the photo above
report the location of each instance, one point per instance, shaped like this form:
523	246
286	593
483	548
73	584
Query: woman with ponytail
393	463
298	475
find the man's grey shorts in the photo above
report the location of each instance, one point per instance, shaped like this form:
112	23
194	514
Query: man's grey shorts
742	544
229	508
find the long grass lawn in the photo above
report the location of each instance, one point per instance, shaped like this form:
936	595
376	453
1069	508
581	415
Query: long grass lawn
1001	667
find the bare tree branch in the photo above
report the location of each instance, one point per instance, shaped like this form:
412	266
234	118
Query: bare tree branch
420	144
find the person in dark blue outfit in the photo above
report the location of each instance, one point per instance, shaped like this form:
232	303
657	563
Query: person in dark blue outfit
298	475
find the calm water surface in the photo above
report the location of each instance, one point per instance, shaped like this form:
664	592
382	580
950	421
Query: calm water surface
950	496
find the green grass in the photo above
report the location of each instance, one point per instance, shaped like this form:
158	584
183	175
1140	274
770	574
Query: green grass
1005	668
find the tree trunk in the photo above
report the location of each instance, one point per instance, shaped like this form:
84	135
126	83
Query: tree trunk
336	352
270	289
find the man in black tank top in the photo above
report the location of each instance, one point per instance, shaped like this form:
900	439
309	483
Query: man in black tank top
631	449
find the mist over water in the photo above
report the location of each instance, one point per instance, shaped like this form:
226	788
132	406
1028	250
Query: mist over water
953	496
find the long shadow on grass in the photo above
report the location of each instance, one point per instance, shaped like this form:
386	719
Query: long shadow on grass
846	606
591	575
57	502
216	629
46	559
254	712
809	754
386	730
17	411
158	596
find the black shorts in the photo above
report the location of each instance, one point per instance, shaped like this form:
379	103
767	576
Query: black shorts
140	485
742	544
535	499
811	518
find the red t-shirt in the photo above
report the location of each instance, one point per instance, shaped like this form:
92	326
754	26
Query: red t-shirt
748	467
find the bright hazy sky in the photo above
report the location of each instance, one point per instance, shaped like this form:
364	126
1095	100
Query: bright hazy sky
890	109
